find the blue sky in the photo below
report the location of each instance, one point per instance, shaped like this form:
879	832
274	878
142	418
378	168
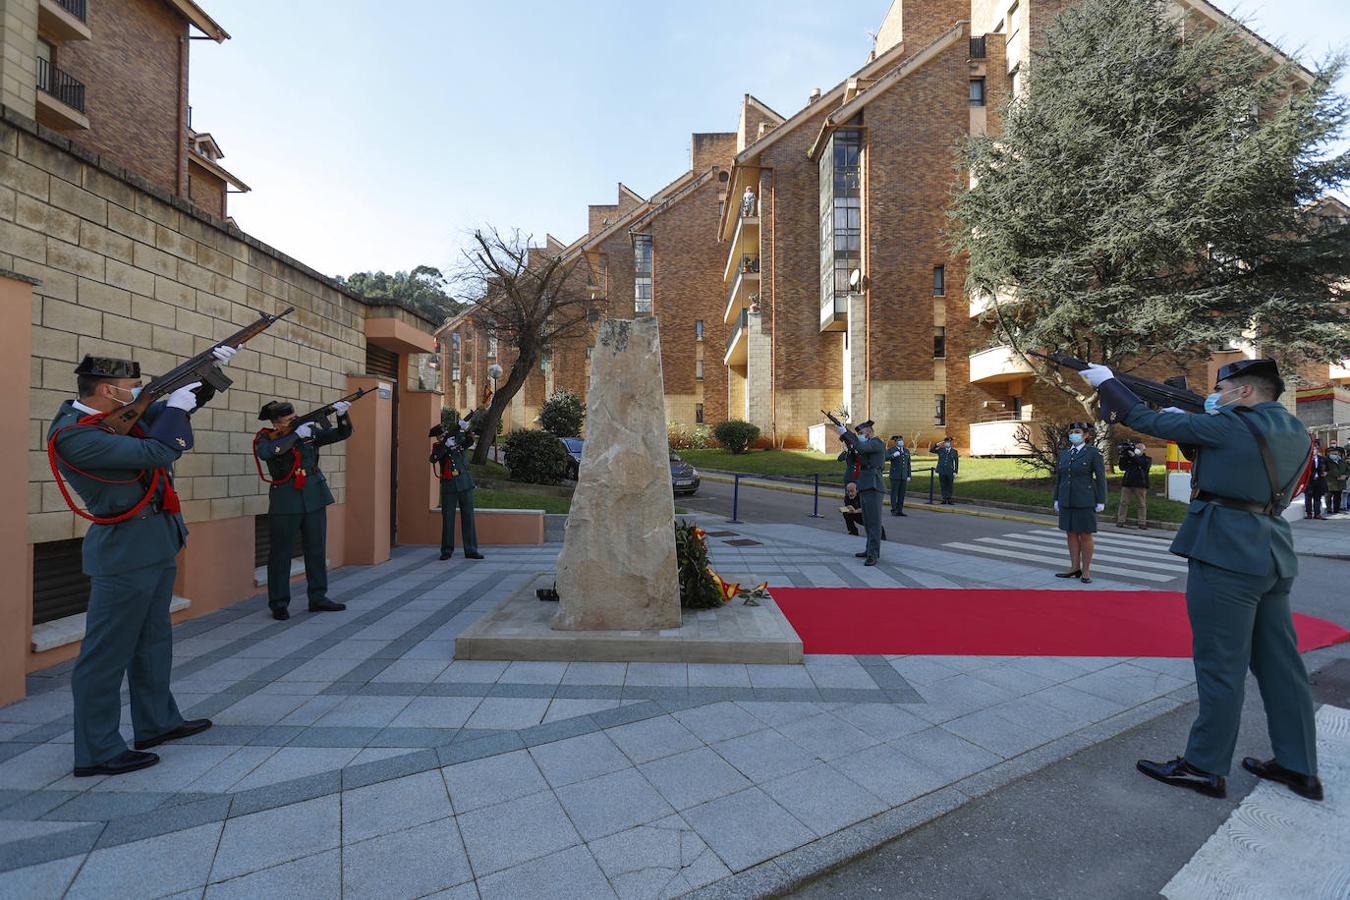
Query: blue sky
375	135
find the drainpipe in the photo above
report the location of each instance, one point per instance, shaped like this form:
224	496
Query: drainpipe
180	145
773	312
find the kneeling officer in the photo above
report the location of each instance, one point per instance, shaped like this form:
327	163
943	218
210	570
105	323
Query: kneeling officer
298	501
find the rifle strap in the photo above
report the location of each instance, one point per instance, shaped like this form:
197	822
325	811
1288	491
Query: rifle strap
296	473
1276	504
170	503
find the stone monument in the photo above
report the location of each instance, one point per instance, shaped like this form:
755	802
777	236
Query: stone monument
617	567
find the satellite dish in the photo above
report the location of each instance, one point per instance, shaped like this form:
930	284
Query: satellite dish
855	279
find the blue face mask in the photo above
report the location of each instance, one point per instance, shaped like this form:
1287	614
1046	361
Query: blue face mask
135	392
1075	439
1213	405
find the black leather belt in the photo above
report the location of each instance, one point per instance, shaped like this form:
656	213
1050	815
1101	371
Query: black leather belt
1244	505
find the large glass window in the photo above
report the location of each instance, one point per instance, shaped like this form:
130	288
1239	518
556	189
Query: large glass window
642	274
840	215
939	281
492	346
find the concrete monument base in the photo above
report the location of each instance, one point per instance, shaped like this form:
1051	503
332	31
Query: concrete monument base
519	629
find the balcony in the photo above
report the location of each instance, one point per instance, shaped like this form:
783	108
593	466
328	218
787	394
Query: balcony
999	436
60	99
744	243
737	355
744	286
997	365
60	21
834	314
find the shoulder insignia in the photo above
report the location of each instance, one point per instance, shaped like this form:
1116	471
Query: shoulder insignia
182	443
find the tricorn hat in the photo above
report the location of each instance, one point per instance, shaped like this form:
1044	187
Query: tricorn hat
896	437
1265	366
275	409
108	367
1081	426
861	425
436	430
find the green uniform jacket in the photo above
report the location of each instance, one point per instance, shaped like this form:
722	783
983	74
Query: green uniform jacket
153	540
948	460
1080	478
1227	463
1337	474
873	453
285	499
901	463
457	456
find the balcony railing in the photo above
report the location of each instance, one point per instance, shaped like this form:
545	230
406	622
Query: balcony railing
978	49
60	85
738	334
76	8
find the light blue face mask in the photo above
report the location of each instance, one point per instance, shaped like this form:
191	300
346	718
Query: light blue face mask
135	392
1075	438
1212	404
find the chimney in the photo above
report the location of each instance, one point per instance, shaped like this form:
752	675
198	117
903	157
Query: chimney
815	95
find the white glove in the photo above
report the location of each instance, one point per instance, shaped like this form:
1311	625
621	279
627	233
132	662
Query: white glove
341	407
1174	409
1056	506
463	424
224	354
306	430
1095	375
1100	507
907	478
841	429
183	398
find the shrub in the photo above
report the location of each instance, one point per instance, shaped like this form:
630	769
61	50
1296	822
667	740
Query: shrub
535	456
449	416
1042	447
735	435
697	588
689	437
562	414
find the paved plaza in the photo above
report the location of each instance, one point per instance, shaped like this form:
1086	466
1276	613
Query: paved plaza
352	755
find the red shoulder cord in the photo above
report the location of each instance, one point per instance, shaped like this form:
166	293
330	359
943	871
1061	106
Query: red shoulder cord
170	504
296	472
439	469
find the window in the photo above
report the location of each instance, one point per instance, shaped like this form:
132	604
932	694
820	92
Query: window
698	413
939	342
840	216
492	346
939	281
545	360
977	92
642	274
698	329
940	410
698	370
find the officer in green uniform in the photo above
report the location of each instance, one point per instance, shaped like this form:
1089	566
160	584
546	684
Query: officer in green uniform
872	458
297	502
1338	472
449	454
1080	493
130	555
901	469
948	463
1249	453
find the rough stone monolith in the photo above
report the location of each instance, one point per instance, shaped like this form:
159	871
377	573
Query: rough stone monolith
617	567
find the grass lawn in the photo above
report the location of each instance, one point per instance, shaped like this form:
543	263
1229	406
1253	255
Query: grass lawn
486	498
1002	480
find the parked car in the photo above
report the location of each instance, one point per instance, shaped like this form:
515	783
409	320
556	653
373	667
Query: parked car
573	446
683	477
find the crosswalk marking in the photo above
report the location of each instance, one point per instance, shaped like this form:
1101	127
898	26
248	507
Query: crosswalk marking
1144	543
1032	557
1097	554
1158	555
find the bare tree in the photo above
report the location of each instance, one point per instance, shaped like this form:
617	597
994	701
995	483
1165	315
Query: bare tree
531	298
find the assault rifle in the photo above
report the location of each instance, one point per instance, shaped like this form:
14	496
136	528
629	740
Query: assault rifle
201	367
321	415
830	416
1172	392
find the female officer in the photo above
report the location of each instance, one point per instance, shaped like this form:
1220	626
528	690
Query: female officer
1080	493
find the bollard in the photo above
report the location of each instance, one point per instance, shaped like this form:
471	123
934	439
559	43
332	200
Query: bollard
815	501
735	499
931	473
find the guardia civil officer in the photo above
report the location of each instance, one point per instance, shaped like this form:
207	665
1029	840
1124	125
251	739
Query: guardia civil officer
901	470
948	463
130	554
297	502
871	458
1080	493
449	455
1249	454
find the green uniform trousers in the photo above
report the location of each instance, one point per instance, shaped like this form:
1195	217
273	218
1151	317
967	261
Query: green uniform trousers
898	494
945	482
1239	621
451	498
313	530
127	632
871	510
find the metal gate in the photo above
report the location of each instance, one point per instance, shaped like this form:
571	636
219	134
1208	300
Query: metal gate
60	587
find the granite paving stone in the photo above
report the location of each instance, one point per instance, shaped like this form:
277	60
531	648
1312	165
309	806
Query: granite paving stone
363	712
571	874
508	834
827	736
889	774
289	763
779	677
149	868
823	799
317	877
493	780
693	777
533	673
393	805
612	803
945	753
436	712
430	858
44	881
653	738
762	755
412	670
595	673
578	758
718	721
657	674
747	828
560	709
718	675
264	839
664	858
508	712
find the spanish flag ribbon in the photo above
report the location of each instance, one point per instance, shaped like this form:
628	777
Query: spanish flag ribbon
726	590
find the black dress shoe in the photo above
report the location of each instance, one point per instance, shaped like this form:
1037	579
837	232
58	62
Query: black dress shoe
189	727
473	556
1179	773
1309	786
870	561
281	615
447	555
126	761
902	514
1086	579
861	555
327	606
1076	573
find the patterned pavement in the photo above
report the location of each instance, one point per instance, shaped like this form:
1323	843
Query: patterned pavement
353	756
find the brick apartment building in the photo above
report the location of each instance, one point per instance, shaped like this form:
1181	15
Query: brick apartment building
115	240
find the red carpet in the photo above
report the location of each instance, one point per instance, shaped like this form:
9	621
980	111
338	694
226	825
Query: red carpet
1004	623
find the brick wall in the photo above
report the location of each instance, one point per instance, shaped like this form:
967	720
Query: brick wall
128	271
206	190
135	76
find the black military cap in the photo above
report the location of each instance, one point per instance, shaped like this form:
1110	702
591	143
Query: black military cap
436	431
108	367
1083	426
895	437
275	409
1265	366
861	425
